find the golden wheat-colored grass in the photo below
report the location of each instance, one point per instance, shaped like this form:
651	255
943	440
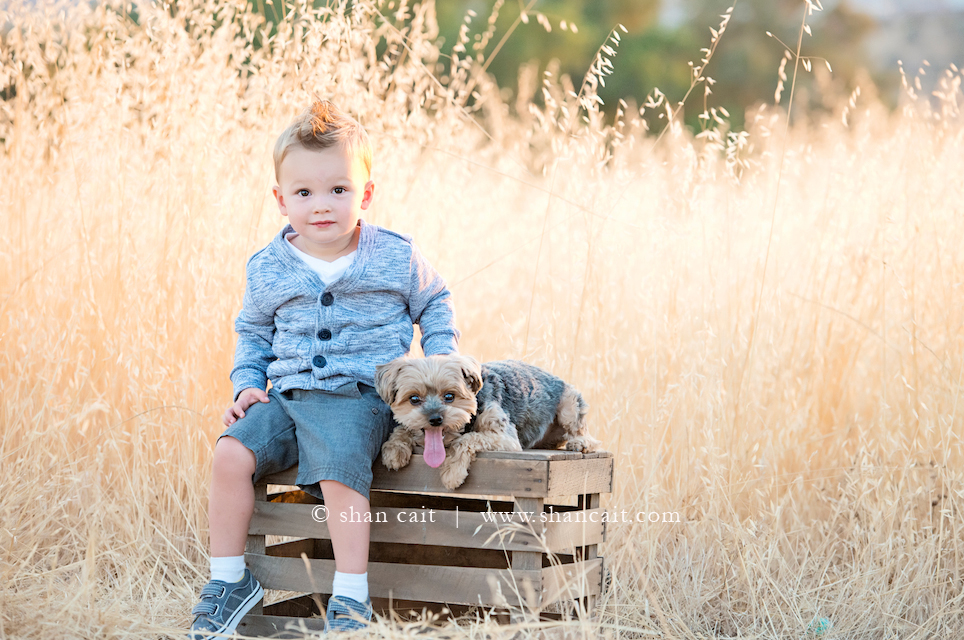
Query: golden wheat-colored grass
804	418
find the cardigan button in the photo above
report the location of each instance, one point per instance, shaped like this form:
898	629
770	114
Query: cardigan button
319	361
327	299
324	334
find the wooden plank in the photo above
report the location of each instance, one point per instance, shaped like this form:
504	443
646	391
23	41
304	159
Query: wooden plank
286	519
486	477
590	553
598	454
432	527
456	585
593	502
571	581
568	477
529	560
531	454
292	548
290	574
579	530
259	626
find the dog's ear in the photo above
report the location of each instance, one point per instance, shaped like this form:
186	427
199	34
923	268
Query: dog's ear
472	372
386	375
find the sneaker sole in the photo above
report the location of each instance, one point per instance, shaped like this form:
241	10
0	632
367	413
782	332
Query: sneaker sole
232	623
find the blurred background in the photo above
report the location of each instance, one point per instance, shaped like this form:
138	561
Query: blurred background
765	317
861	39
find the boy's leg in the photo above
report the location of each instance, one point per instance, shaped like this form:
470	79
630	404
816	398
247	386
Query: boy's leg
232	591
260	443
350	533
232	497
349	539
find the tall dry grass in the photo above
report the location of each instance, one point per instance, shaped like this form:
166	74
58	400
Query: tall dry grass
817	470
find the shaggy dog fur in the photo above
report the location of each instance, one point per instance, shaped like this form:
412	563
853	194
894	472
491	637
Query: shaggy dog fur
459	408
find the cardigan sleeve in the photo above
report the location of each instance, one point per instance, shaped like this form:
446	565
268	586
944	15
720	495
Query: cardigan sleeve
431	307
255	329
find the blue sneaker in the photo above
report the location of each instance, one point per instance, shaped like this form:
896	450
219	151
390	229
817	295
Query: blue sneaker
346	614
222	606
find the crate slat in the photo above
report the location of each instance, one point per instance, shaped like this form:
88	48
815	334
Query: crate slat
568	581
275	626
446	528
488	476
501	473
569	477
579	531
456	585
531	454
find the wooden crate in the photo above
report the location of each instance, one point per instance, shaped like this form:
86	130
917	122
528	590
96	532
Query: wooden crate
442	550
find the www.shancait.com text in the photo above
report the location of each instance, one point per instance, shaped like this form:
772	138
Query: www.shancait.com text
320	513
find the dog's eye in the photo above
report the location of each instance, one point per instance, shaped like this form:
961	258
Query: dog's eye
449	397
415	400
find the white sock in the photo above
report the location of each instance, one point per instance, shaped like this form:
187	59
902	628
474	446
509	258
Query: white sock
228	569
351	585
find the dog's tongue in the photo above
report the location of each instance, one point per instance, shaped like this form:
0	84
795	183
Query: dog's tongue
434	447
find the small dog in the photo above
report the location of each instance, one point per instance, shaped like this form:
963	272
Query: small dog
452	402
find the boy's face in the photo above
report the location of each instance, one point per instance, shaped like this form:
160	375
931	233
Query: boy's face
323	193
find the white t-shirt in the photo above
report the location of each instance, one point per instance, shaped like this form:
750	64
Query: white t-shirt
327	271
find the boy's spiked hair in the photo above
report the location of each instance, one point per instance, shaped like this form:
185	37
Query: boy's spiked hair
321	126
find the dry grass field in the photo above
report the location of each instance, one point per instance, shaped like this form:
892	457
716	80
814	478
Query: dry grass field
768	327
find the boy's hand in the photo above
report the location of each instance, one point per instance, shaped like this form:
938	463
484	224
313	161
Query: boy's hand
245	399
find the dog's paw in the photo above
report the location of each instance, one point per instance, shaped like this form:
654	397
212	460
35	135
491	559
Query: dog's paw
583	444
395	455
453	474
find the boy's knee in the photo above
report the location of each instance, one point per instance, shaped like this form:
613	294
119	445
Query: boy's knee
233	458
332	489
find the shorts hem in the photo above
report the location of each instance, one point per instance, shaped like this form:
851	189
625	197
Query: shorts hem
353	482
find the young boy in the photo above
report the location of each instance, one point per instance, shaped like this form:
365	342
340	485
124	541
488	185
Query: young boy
326	301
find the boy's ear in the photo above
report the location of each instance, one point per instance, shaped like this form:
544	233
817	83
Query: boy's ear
368	195
276	190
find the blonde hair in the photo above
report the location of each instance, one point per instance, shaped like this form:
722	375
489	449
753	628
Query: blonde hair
321	126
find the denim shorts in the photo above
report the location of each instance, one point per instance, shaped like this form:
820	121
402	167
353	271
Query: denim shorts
330	435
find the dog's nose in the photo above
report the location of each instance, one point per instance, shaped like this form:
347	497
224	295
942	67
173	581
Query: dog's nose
435	420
